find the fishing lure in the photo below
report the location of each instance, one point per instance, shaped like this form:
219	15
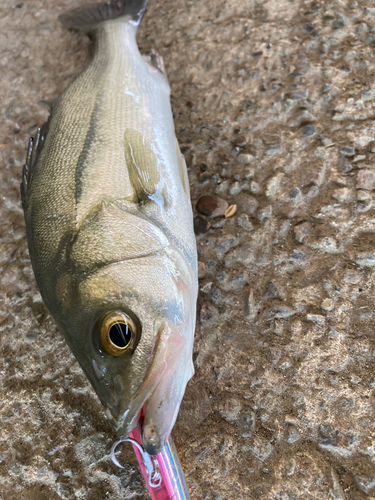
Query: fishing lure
110	231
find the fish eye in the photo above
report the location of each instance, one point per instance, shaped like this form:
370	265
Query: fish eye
117	333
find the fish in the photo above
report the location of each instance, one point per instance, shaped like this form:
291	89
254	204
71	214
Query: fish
109	226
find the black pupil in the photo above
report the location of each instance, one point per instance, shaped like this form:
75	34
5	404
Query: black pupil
120	334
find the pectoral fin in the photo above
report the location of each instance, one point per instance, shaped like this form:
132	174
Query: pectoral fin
144	168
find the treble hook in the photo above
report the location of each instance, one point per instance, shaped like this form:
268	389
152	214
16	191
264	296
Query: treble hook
151	464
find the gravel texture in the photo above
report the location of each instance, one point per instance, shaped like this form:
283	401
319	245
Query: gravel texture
274	105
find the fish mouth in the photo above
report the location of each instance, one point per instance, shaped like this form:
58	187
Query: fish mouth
160	394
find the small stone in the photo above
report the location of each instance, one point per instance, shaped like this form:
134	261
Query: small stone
347	151
265	213
247	204
273	291
201	225
209	314
212	206
240	140
366	180
344	165
279	312
340	23
243	221
230	211
365	483
245	158
17	128
309	27
366	260
363	141
300	95
201	269
302	231
313	192
342	195
302	119
273	185
359	158
327	245
273	149
206	289
235	188
316	318
362	207
367	95
309	130
295	194
363	195
327	305
224	244
326	141
255	188
326	88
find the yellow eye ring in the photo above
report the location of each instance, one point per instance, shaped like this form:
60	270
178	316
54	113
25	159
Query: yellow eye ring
117	333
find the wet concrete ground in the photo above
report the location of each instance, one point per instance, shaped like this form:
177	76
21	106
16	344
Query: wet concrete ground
274	107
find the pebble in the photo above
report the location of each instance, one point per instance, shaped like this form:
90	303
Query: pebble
327	305
347	151
224	244
363	195
316	318
363	141
279	312
209	314
326	142
302	231
243	221
247	204
201	269
367	95
344	165
366	260
326	245
302	119
201	225
273	149
240	140
273	291
326	88
313	192
295	194
255	188
265	213
245	158
309	130
212	206
273	185
359	158
340	23
206	289
235	188
342	195
366	180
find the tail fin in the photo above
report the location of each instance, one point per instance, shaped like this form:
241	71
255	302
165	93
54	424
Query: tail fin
89	17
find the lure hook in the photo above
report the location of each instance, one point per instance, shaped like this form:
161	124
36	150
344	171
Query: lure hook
151	464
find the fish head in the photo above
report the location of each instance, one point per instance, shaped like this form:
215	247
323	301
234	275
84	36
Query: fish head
131	327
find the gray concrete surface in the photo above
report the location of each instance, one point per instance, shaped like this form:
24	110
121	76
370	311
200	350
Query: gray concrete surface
274	107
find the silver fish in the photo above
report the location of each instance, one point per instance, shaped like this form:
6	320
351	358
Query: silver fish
109	226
